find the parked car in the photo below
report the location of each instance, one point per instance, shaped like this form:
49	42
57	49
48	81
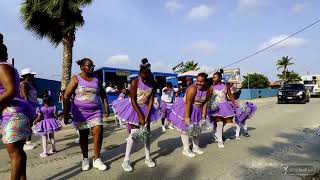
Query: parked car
293	93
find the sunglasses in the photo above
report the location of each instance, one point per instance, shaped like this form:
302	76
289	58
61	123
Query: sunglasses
90	65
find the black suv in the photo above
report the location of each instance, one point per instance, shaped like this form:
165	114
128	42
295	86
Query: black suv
293	93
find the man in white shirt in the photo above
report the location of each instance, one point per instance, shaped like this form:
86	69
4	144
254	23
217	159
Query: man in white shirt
166	103
110	88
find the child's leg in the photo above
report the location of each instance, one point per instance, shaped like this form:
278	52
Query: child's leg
44	143
147	148
245	128
195	142
238	128
185	140
129	145
219	130
53	142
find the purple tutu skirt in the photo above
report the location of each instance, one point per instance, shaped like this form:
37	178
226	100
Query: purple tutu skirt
165	109
48	126
126	112
225	110
177	115
242	116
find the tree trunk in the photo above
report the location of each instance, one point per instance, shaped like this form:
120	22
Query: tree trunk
67	61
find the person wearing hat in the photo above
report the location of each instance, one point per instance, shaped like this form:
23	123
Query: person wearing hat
29	93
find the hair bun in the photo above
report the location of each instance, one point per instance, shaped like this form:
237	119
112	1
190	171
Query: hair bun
145	64
144	61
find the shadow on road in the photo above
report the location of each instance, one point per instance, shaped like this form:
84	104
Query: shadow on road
296	148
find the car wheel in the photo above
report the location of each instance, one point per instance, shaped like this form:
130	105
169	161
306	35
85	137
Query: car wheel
279	102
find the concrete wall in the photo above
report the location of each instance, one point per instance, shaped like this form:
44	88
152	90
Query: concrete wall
258	93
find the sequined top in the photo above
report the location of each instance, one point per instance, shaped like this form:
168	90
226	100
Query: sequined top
144	91
219	94
87	92
200	97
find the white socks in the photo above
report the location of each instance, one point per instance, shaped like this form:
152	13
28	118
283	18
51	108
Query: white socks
195	142
147	148
44	144
238	128
185	140
227	127
219	131
245	128
130	144
53	141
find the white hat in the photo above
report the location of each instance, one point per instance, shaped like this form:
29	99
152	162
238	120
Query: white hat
27	71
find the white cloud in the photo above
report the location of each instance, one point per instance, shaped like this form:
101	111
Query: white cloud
200	12
119	61
173	5
289	43
161	67
298	8
245	5
201	48
206	69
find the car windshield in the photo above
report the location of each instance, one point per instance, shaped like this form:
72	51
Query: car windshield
309	82
294	86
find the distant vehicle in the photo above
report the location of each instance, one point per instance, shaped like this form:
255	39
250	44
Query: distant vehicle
312	83
293	93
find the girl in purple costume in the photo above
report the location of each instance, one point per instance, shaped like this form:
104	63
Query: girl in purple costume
166	104
87	110
15	116
190	111
47	124
29	93
139	111
121	97
221	111
244	112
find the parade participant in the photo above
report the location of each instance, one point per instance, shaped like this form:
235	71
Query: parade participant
221	110
15	116
139	112
121	97
86	110
189	112
29	93
167	98
47	124
244	112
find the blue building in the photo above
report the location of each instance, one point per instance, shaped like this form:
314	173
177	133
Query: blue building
51	85
119	76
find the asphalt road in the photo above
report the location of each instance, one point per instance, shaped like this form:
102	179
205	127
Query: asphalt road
281	135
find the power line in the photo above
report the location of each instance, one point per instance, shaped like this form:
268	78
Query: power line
270	46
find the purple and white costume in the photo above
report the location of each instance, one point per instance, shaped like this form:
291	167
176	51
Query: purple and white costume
86	106
166	103
219	98
177	115
49	123
16	117
244	112
127	113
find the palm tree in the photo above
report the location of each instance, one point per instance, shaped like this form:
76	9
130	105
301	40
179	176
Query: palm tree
189	66
283	63
58	21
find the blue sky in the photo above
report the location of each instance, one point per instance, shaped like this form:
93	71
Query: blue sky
212	32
